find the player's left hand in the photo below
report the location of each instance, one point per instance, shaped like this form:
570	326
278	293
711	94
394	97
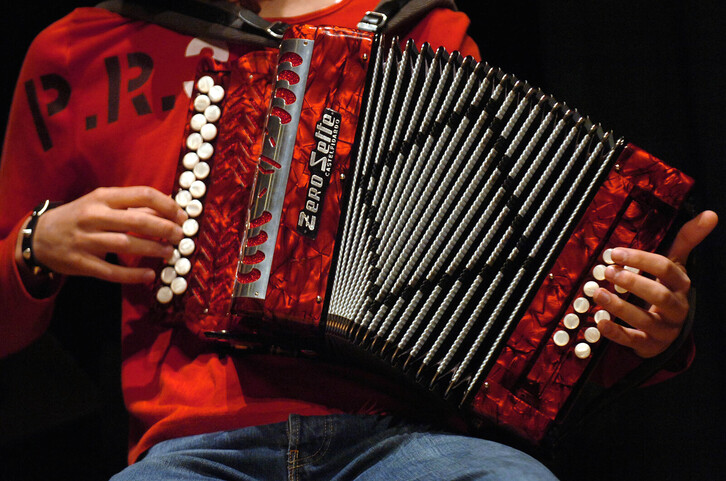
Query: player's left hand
650	331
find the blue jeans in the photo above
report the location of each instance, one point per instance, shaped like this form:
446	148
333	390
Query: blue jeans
337	447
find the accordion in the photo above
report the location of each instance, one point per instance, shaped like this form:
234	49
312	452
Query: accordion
432	214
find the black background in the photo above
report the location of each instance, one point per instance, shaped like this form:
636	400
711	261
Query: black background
650	70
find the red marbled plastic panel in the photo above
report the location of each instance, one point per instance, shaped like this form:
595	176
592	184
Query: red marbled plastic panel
533	377
300	266
247	81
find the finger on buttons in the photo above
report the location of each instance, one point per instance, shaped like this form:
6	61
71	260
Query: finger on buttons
607	256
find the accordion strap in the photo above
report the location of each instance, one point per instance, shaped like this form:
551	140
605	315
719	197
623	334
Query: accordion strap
225	21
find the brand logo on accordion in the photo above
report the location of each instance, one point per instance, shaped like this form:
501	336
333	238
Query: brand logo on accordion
321	166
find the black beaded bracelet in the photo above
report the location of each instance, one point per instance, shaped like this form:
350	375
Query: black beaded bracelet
35	267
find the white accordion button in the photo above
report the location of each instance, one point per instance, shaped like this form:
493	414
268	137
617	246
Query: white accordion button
216	93
561	338
198	121
201	170
186	178
198	189
164	295
183	197
205	150
607	256
178	285
167	274
208	131
571	321
592	335
634	270
602	315
186	247
194	141
174	257
620	290
581	305
201	103
183	266
205	83
190	228
194	208
582	350
212	113
598	272
589	288
190	160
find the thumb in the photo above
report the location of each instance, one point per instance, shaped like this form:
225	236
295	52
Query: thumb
691	234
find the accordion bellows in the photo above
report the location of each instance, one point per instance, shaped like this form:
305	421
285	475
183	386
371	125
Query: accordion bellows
441	217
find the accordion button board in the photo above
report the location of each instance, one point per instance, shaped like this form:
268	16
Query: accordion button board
440	216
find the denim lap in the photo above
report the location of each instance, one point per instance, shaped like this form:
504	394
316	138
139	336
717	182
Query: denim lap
337	447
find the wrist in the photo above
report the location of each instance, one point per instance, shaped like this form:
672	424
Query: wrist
39	280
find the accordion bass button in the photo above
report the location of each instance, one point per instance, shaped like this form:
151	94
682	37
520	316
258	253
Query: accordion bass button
190	228
186	178
582	350
164	295
208	131
197	189
592	335
216	93
602	315
212	113
201	170
571	321
167	275
186	247
201	103
204	84
183	198
561	338
607	256
198	121
183	266
581	305
590	287
205	151
190	160
194	141
178	285
620	290
174	257
194	209
598	272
